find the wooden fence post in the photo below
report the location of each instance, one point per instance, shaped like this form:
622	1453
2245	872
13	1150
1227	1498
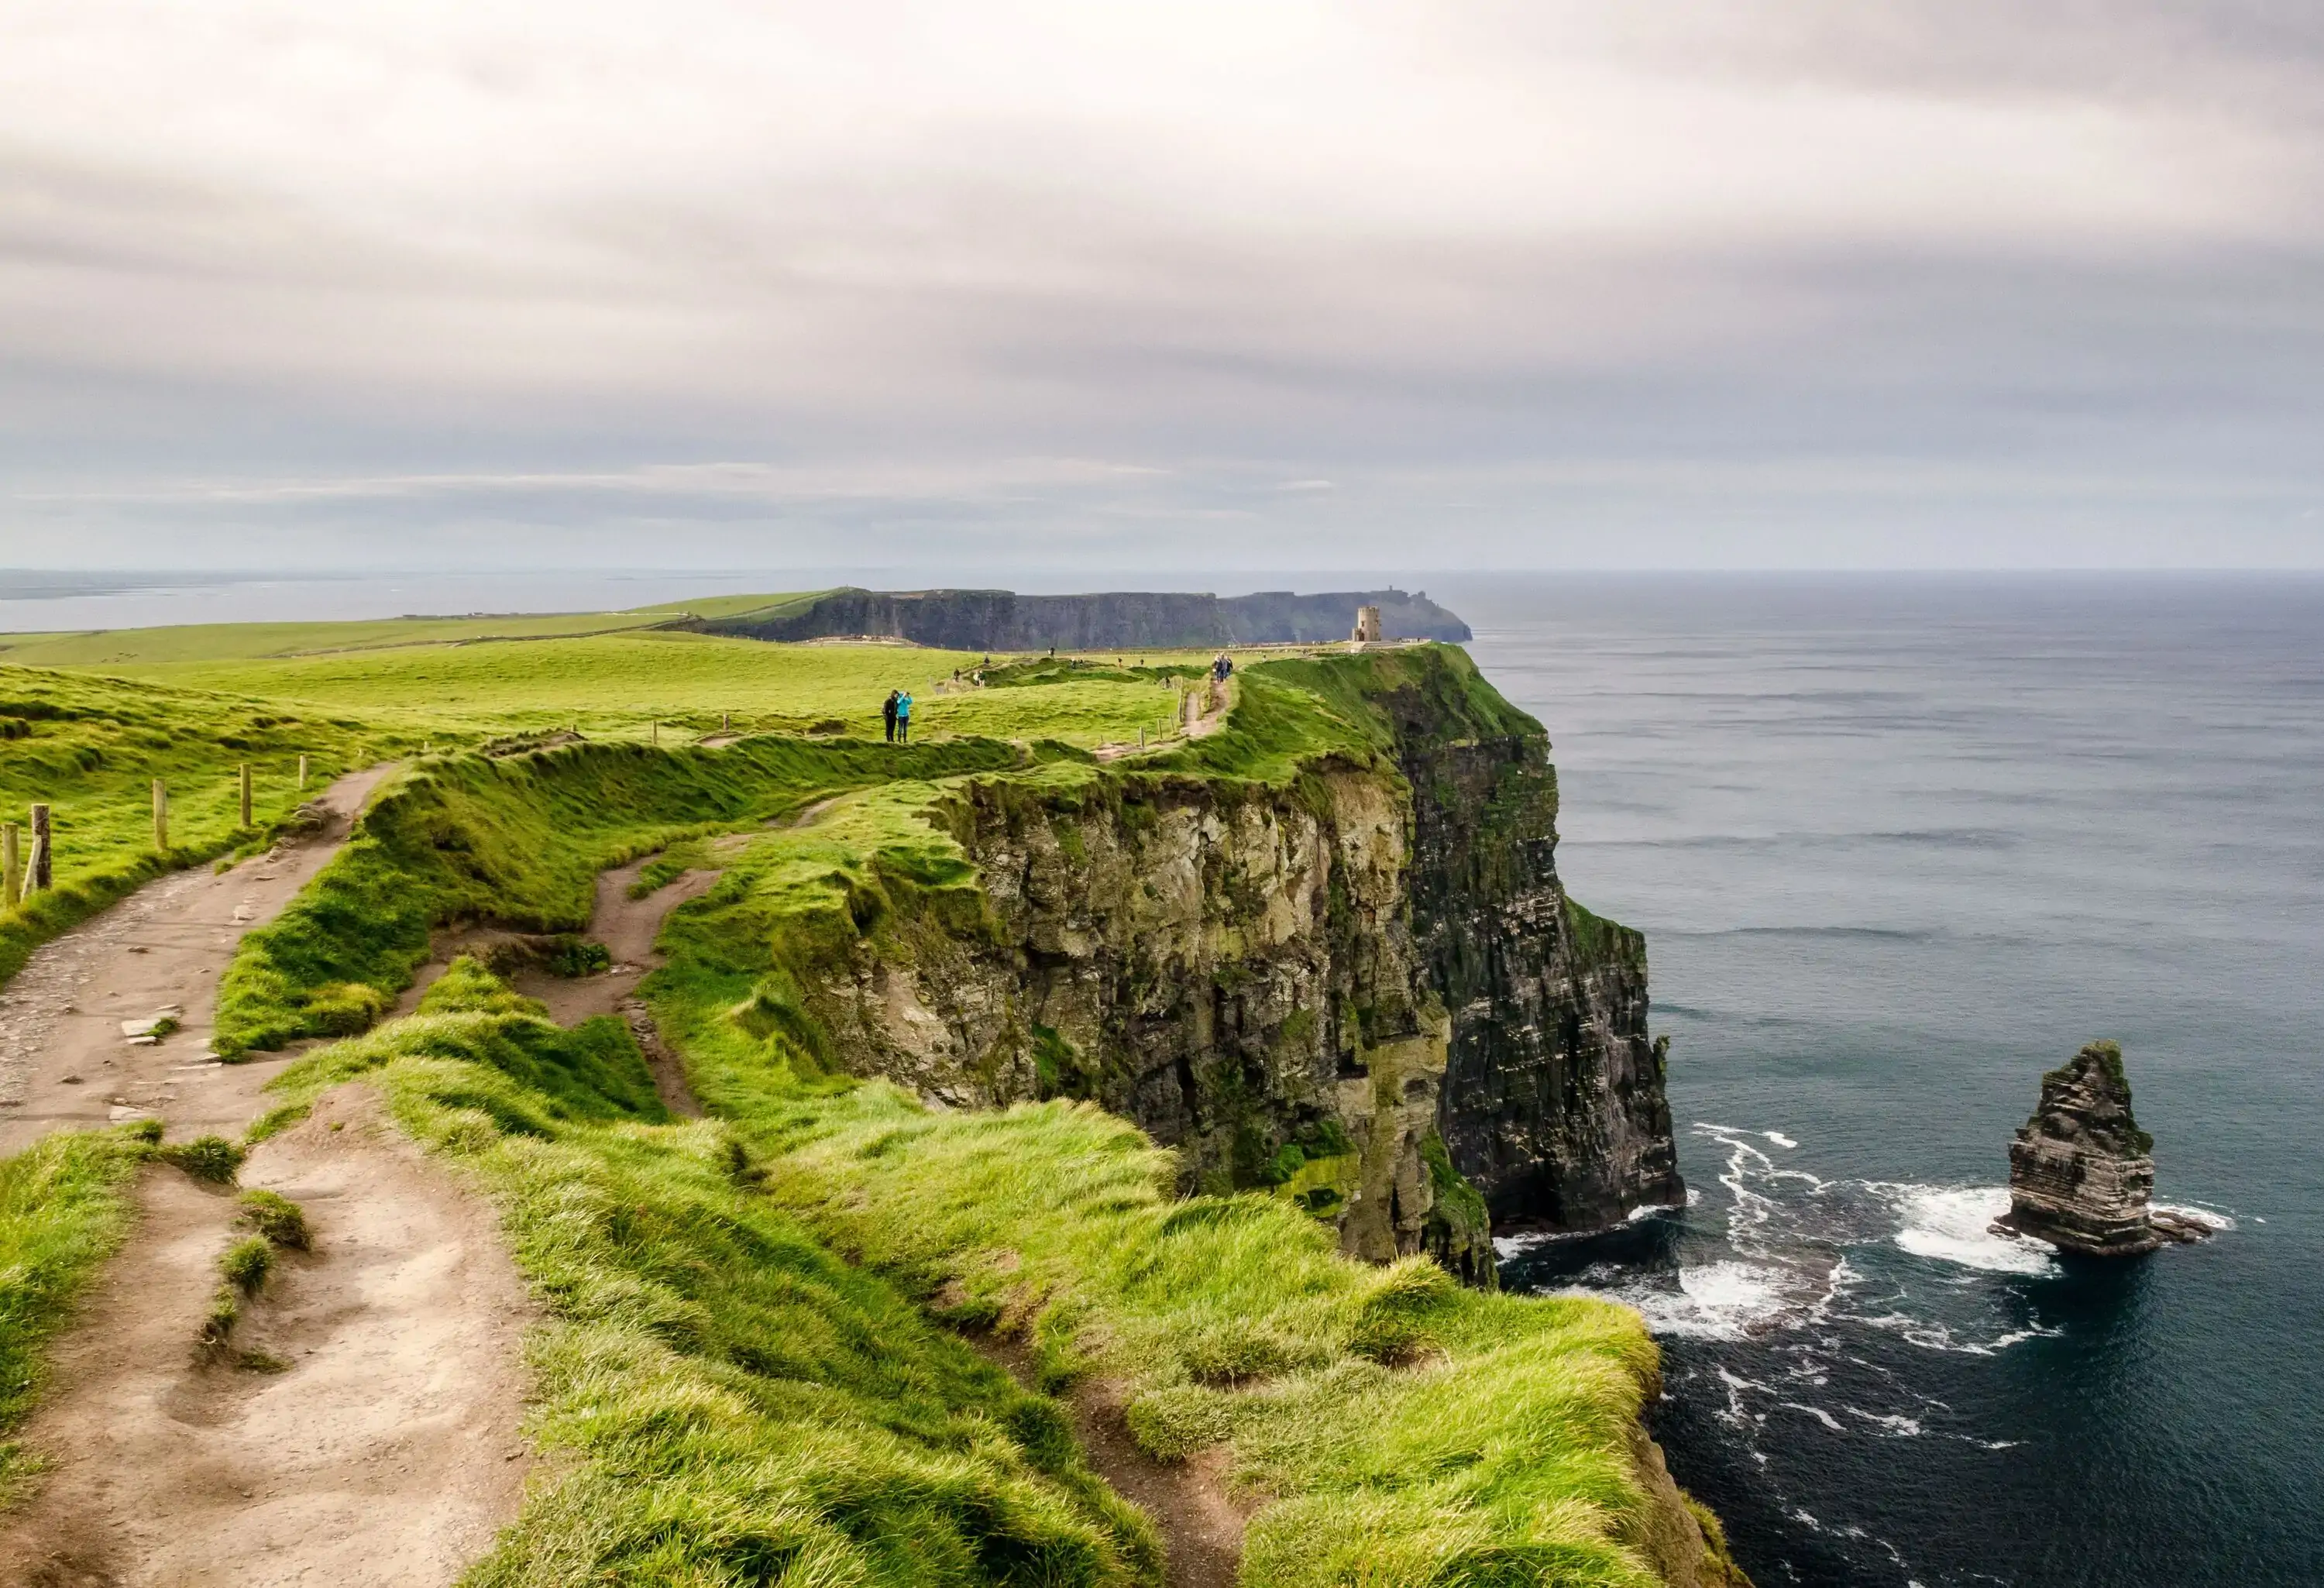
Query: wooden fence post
245	794
44	863
12	867
161	817
302	771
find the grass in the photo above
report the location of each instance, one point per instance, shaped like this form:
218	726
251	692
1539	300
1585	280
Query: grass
211	1158
277	1218
519	841
741	1381
92	750
112	648
724	1399
64	1209
622	684
1396	1428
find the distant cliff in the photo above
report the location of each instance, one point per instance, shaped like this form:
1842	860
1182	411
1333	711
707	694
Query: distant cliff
1003	620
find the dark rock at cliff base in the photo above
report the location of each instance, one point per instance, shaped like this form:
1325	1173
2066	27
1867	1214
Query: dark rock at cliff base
2081	1171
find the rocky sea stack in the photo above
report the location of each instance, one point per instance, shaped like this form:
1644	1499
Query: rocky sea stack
2081	1171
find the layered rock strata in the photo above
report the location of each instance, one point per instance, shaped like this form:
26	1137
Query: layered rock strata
2081	1173
1366	991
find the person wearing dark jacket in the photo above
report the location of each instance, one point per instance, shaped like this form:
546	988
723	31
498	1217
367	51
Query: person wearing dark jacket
887	712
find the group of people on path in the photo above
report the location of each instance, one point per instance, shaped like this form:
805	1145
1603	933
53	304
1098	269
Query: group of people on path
895	711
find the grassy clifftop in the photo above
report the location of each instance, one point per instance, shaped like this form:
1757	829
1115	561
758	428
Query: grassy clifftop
755	1371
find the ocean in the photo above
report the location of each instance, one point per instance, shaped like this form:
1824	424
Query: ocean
1898	846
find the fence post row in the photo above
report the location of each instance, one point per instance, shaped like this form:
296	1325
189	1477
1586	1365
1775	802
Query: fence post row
245	794
161	817
12	868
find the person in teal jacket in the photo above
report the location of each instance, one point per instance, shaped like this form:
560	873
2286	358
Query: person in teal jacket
903	717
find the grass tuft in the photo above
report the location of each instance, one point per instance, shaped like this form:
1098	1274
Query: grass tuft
246	1263
277	1218
213	1158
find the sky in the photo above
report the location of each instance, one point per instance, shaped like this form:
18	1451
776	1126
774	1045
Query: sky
1459	284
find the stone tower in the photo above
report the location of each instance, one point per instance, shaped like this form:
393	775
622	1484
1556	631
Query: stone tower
1367	626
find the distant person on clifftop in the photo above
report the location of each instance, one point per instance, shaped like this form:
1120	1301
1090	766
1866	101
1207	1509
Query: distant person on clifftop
887	712
903	718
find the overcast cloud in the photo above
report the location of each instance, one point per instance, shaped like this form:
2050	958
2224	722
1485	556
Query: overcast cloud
1444	283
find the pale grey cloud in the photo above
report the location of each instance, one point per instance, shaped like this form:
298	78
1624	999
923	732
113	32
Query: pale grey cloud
1519	283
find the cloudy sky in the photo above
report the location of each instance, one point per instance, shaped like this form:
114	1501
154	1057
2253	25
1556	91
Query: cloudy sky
1444	283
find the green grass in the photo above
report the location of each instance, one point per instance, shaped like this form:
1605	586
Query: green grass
724	1401
728	1400
277	1218
622	684
1405	1430
64	1209
521	842
112	648
95	747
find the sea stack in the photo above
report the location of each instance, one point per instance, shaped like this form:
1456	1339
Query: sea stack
2080	1170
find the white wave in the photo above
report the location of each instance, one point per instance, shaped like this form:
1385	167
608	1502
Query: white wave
1898	1426
1953	1226
1779	1139
1713	1301
1817	1412
2199	1215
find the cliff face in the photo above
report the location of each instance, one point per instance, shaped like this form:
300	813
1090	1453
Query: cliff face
1365	990
1553	1102
1001	620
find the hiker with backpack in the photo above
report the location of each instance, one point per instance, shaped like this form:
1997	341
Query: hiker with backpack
888	713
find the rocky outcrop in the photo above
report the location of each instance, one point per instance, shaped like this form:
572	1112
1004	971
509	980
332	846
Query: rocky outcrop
1365	990
1004	620
2081	1172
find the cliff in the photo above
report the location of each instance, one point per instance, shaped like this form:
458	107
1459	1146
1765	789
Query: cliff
1003	620
1344	969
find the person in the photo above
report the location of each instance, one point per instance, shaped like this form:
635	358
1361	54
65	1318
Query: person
887	712
904	718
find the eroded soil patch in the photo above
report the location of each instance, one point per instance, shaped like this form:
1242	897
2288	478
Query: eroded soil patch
386	1450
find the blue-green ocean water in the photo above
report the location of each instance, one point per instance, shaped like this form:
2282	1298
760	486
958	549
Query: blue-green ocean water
1898	845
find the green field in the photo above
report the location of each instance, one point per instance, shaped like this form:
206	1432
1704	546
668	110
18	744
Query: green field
753	1369
91	748
195	704
113	648
1390	1427
691	683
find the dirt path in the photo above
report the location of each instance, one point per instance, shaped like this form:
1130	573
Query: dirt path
63	1058
385	1451
627	927
1195	722
1202	1530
